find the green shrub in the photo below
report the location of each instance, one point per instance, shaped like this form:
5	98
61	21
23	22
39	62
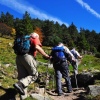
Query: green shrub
97	55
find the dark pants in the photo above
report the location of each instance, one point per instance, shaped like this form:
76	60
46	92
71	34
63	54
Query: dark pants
61	70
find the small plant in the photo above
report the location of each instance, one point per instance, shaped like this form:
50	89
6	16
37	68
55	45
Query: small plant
30	98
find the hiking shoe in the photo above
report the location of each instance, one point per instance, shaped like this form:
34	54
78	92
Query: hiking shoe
18	86
60	94
69	91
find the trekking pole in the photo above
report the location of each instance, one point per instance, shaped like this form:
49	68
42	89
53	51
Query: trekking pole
46	79
53	81
75	73
76	80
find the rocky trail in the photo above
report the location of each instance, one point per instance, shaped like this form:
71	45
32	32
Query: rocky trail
41	92
77	94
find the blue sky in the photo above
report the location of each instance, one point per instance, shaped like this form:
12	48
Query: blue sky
83	13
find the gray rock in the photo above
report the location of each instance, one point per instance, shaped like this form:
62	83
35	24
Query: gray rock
45	64
40	97
93	90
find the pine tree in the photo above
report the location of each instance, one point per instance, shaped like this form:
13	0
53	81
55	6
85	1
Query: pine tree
27	25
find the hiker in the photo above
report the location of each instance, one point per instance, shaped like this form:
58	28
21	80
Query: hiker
61	67
77	56
26	66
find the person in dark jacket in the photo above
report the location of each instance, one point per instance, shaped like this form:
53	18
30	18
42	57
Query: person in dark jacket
61	68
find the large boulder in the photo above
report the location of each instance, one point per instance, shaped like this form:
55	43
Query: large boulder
83	79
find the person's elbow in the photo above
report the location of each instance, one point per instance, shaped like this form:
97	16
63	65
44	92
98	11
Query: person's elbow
37	47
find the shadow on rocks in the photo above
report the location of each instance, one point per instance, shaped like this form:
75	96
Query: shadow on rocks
10	94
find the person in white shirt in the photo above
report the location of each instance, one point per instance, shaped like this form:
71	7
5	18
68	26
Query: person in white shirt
77	56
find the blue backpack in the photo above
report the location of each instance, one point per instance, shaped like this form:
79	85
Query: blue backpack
58	54
22	45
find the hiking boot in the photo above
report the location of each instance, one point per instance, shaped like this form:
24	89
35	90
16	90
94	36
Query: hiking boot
19	87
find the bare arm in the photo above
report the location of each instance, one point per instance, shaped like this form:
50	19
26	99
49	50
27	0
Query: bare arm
40	50
78	54
68	51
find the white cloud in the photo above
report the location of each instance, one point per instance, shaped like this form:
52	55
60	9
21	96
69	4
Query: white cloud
21	8
85	5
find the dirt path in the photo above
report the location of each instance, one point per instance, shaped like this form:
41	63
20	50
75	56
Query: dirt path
75	95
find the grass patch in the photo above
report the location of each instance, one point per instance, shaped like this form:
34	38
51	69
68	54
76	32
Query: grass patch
89	62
